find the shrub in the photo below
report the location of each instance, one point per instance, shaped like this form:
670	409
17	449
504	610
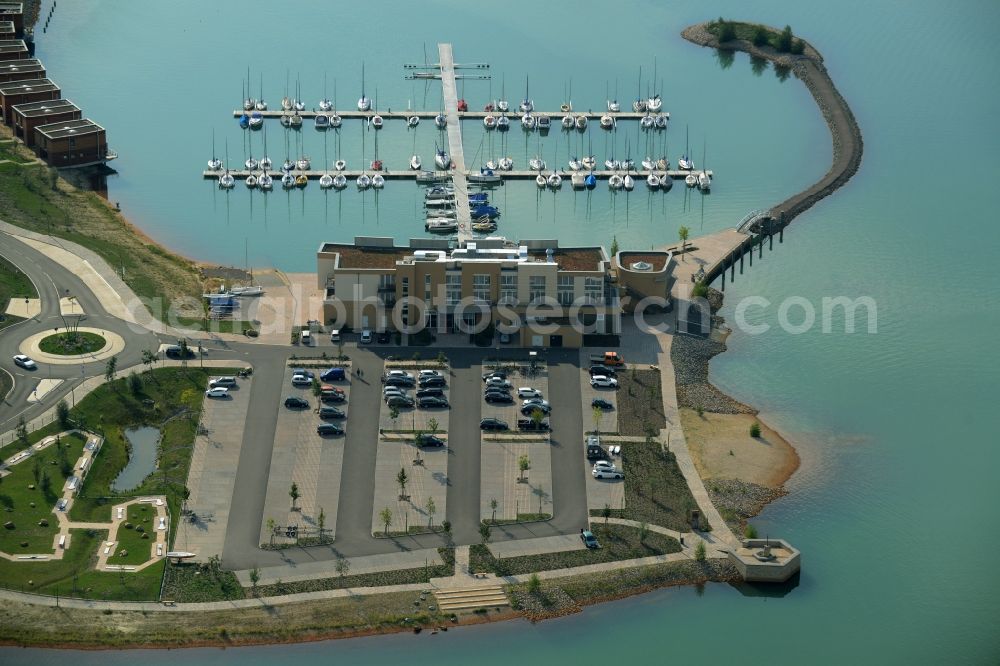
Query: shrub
699	551
534	584
750	532
755	430
785	40
700	290
760	36
726	32
134	383
62	413
798	47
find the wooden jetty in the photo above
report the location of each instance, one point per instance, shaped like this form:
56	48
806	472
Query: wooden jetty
513	114
389	174
457	152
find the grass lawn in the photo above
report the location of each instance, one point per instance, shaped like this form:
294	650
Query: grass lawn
13	284
135	540
70	344
190	583
655	489
640	403
618	542
56	462
9	150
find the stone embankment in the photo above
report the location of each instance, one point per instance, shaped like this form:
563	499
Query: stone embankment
848	145
741	499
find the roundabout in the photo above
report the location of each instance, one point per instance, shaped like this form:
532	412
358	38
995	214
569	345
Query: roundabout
72	344
99	344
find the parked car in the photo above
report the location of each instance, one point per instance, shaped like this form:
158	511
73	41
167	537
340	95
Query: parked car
600	403
430	382
429	373
333	375
332	397
432	402
529	424
399	373
602	381
497	397
25	362
399	401
295	402
398	381
301	380
222	381
502	374
335	336
589	540
602	370
392	390
531	408
327	429
606	465
536	401
496	381
384	337
594	449
302	371
430	392
327	412
328	388
366	336
217	392
605	473
526	392
428	440
493	424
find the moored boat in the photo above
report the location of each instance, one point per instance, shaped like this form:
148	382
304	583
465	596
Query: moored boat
227	181
415	162
503	123
326	181
441	159
364	181
581	122
378	181
607	121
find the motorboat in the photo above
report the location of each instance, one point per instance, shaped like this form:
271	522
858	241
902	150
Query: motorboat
265	182
244	121
654	104
647	122
536	163
568	122
364	181
340	165
340	181
325	105
526	105
415	162
301	180
250	164
581	122
575	164
661	121
364	103
226	181
479	197
490	122
639	106
685	163
690	180
444	212
566	107
607	121
589	162
484	177
265	163
615	182
326	181
260	105
648	164
286	104
296	120
666	182
503	106
528	122
628	182
541	181
614	106
578	180
484	227
288	181
543	123
612	164
440	192
440	225
256	120
336	121
288	165
299	105
480	209
441	121
555	181
652	181
441	159
322	121
492	165
377	121
590	182
286	120
505	163
376	165
462	105
303	163
663	164
439	203
378	181
429	177
503	123
413	121
704	181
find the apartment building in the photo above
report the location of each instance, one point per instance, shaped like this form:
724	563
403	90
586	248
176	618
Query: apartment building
534	292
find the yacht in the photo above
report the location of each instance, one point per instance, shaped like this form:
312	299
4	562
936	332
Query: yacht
226	181
654	104
377	121
286	104
690	180
536	163
296	120
325	105
265	163
364	103
661	121
526	105
490	121
652	181
441	121
503	123
288	181
303	163
415	162
568	122
528	122
543	123
503	106
364	181
615	182
440	226
215	164
256	120
685	163
628	182
575	164
322	121
704	181
442	160
555	181
505	164
265	182
541	181
378	181
648	164
614	106
413	121
647	122
581	122
250	164
589	162
336	121
340	181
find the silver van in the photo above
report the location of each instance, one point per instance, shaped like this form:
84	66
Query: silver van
222	381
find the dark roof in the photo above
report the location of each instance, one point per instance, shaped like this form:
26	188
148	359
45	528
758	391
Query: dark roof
23	65
45	107
658	260
27	86
573	258
352	256
69	128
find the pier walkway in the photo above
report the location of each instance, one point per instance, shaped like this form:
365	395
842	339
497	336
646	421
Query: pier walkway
450	91
513	114
402	174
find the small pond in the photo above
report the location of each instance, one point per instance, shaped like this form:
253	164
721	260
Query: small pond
141	462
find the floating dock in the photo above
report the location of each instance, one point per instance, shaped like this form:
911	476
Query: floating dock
388	174
513	114
463	214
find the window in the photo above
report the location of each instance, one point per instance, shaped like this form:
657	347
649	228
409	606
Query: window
508	288
565	290
453	288
406	287
481	287
427	288
387	282
536	287
593	289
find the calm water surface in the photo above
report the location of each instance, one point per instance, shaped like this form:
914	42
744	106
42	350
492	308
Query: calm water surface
141	460
895	506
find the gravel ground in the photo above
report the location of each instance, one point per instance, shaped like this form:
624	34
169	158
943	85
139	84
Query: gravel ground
740	499
690	356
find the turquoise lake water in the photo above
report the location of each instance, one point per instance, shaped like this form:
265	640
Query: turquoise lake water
141	459
895	506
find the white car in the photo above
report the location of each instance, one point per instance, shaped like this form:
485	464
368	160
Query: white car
162	525
217	392
605	473
600	381
605	465
366	336
525	392
430	373
496	381
301	380
537	402
25	362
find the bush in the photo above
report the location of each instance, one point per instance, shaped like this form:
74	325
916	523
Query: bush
798	47
755	430
62	413
726	32
760	36
134	383
534	584
700	290
699	551
785	40
750	532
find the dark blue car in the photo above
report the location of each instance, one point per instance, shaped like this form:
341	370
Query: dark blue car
333	375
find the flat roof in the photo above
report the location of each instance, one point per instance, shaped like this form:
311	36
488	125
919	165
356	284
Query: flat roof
20	65
658	260
69	128
367	257
45	107
11	7
352	256
27	86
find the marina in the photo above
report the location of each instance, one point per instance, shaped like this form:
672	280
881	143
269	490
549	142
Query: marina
404	115
388	174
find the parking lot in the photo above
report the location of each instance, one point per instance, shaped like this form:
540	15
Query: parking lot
427	480
608	422
518	378
601	492
416	418
312	461
501	478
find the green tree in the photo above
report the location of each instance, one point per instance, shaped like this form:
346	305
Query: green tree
293	492
134	384
270	530
798	47
402	479
432	424
606	513
643	531
385	515
148	358
22	431
184	351
760	36
36	471
596	413
614	246
343	566
254	579
54	178
321	519
534	584
393	415
523	464
316	387
185	495
755	429
484	533
683	233
699	551
442	359
431	510
111	369
493	506
750	532
726	30
784	44
537	416
62	414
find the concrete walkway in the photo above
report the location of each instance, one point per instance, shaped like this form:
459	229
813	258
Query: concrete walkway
26	308
289	573
538	546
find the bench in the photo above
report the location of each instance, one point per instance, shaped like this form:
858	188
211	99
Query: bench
62	541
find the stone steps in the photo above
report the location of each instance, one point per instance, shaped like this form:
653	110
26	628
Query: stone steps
471	597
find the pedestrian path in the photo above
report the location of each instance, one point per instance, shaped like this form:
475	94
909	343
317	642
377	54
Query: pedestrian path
290	573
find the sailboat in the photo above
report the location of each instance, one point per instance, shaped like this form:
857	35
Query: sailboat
415	162
685	163
503	123
215	163
376	120
260	104
527	104
364	181
325	104
226	180
364	103
265	181
502	105
335	119
441	159
704	180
